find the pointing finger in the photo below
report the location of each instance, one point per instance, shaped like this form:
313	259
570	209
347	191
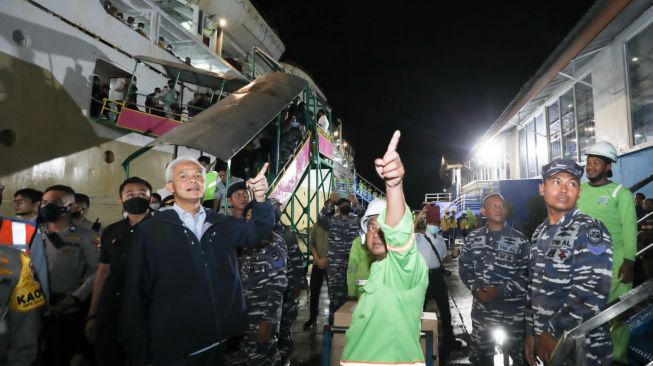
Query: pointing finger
261	172
392	146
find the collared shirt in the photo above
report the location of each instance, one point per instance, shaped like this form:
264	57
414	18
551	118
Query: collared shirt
193	223
427	250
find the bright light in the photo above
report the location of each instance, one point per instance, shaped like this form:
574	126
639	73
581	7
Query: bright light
499	335
489	152
635	59
187	24
222	22
335	133
344	144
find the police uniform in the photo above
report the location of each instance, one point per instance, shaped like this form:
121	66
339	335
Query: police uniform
21	235
72	257
21	300
570	272
496	259
342	232
296	277
263	275
116	240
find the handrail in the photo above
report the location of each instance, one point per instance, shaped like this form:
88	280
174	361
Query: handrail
641	183
370	184
575	338
644	217
644	250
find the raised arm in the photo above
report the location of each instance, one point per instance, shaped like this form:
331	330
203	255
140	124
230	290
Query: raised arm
391	170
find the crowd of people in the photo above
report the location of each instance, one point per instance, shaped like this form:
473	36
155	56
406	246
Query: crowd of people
108	296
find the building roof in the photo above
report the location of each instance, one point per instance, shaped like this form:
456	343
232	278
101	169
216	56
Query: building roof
598	27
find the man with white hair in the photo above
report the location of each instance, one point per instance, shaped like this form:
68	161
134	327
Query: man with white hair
183	292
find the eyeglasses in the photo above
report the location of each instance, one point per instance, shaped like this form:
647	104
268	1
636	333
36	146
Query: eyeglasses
18	202
372	229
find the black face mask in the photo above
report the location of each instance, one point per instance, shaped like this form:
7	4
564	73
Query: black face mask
345	210
75	215
52	212
136	205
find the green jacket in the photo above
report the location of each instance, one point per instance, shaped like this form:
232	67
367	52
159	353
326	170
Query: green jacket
358	269
385	326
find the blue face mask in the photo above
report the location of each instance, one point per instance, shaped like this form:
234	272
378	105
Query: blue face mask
432	229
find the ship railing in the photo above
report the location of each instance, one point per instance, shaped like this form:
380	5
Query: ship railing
437	197
574	340
115	107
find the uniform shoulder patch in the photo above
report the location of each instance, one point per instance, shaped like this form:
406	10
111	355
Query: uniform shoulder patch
594	234
595	240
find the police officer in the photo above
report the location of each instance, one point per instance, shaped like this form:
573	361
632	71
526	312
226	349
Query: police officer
611	203
263	275
569	269
21	302
494	267
72	257
102	322
296	280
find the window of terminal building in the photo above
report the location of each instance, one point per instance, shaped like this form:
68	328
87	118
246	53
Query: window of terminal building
639	65
533	147
584	116
571	122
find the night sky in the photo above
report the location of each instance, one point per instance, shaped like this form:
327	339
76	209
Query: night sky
440	73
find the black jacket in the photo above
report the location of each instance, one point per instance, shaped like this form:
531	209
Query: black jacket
183	294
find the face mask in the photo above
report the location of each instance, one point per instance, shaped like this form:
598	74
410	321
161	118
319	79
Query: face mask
345	210
136	205
155	206
432	229
75	215
52	212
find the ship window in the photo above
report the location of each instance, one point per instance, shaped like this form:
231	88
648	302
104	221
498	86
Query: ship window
639	61
21	38
109	157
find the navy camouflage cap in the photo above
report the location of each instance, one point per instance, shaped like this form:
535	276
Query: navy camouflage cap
562	165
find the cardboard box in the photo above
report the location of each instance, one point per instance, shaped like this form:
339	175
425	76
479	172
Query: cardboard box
342	318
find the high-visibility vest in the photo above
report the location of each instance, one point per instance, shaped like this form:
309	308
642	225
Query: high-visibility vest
210	184
16	233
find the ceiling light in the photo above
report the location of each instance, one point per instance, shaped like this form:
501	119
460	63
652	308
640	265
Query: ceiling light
635	59
222	22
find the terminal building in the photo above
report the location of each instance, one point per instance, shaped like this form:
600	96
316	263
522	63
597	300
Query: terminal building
596	85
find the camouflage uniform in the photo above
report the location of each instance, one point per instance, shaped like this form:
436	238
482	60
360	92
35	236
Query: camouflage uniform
570	271
342	232
296	277
263	274
496	259
290	141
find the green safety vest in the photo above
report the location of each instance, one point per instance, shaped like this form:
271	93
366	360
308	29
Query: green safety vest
210	184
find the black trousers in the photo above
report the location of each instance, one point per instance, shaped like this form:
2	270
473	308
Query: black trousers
438	291
318	276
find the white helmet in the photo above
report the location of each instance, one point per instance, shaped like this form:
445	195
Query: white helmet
374	208
604	149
